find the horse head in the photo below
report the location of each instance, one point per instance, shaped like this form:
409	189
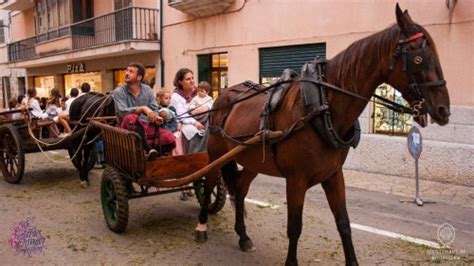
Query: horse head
417	74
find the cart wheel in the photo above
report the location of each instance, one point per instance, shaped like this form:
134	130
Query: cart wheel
12	155
92	158
218	195
114	199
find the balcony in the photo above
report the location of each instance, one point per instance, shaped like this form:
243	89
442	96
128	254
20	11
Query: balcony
17	5
125	25
201	8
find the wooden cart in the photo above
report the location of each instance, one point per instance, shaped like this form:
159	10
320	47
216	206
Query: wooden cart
15	142
128	175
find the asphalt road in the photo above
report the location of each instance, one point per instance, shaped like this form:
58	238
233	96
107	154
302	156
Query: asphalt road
160	229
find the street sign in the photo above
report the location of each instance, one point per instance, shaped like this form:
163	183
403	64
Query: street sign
415	145
415	142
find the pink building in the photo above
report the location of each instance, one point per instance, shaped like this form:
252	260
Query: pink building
63	43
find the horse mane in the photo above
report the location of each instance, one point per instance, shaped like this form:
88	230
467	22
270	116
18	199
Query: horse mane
363	56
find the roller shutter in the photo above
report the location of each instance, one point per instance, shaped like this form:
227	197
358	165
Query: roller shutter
275	59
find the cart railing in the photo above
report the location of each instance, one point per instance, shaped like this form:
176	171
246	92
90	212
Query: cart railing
123	149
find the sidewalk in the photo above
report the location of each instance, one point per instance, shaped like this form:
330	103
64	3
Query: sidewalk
405	187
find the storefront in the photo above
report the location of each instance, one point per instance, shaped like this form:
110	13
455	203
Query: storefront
43	85
75	81
149	79
103	75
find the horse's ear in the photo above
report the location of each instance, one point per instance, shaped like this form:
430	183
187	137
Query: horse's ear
402	20
407	17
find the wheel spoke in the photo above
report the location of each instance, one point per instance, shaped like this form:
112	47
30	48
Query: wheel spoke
13	171
110	200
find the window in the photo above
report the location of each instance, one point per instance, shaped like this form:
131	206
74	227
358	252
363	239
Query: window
274	60
75	81
149	78
2	32
44	85
386	121
51	15
119	4
6	91
214	68
82	9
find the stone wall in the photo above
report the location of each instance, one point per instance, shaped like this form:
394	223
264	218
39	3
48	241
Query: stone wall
447	156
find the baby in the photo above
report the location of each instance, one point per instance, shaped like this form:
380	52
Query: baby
201	103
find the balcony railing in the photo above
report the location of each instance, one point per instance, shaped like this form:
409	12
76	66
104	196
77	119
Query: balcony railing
22	50
128	24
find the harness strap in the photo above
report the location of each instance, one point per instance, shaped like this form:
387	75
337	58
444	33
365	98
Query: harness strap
432	83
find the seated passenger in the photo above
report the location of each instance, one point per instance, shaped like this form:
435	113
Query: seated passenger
13	105
167	112
63	118
134	99
36	111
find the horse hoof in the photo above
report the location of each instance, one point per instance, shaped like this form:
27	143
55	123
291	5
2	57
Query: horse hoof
200	236
85	184
291	263
247	246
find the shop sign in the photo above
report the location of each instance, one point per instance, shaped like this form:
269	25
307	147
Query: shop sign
75	68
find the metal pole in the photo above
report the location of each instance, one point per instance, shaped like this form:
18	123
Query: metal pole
417	179
418	200
162	62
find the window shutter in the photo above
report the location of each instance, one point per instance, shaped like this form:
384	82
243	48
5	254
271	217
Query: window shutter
274	60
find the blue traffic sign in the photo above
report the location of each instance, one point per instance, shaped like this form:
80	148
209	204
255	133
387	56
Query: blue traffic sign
415	142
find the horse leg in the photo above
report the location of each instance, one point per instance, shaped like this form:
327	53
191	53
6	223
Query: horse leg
240	186
84	172
336	196
200	232
295	195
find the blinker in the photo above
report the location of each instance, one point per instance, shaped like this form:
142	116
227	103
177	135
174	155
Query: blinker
417	60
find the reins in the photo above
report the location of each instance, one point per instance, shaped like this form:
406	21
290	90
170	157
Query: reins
84	136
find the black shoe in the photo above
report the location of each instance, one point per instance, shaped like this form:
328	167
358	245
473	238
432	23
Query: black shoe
152	155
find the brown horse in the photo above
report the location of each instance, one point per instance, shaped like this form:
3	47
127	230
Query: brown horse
304	158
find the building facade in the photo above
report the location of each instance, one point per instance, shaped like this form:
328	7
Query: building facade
228	42
63	43
12	81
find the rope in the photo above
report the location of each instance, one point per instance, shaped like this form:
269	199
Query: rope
385	102
38	141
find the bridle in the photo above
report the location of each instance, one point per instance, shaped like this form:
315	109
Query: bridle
414	62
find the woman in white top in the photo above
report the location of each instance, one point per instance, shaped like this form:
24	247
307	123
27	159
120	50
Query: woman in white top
36	111
33	103
180	99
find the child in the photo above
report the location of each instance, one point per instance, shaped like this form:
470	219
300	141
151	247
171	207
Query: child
201	103
167	112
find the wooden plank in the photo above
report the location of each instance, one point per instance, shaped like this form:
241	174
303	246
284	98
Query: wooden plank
213	166
167	167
